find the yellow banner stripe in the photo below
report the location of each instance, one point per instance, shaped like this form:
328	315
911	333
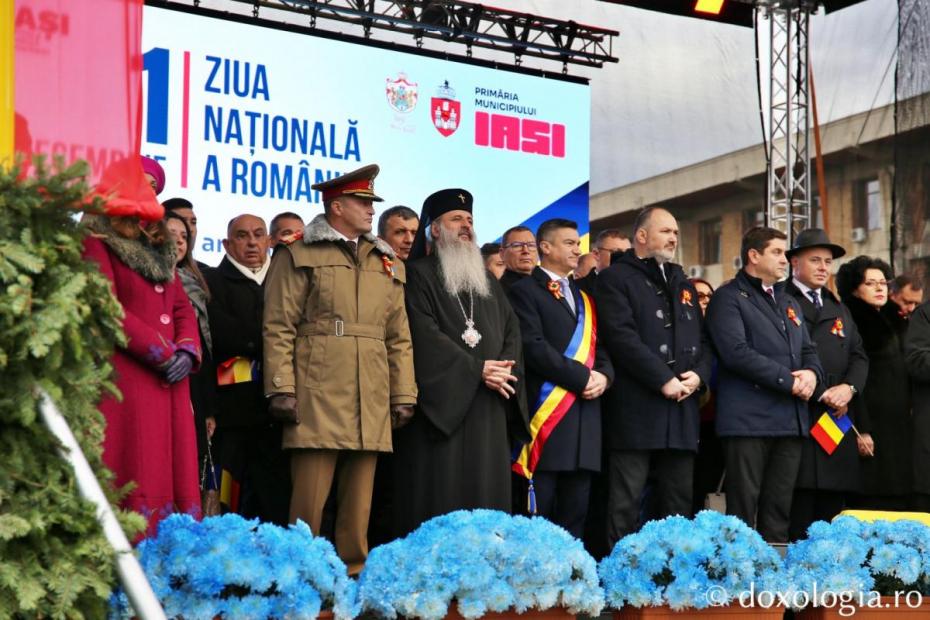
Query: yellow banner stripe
7	82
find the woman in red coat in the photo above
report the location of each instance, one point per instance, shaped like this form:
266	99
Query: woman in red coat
150	438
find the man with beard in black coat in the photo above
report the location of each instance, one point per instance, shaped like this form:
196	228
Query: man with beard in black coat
653	330
825	480
247	442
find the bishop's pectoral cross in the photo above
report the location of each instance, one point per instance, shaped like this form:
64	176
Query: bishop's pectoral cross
471	336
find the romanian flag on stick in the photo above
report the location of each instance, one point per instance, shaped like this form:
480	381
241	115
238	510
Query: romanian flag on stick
830	430
236	370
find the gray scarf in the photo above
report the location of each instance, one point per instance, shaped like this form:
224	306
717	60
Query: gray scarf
198	296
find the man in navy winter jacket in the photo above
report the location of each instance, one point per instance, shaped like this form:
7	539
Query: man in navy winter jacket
768	369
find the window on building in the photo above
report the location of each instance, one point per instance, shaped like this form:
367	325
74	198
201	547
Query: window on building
709	248
868	213
752	217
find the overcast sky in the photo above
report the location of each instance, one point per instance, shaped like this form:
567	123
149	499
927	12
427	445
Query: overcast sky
685	89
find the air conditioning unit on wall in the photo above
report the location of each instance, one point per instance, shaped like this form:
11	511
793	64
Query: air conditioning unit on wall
695	271
858	235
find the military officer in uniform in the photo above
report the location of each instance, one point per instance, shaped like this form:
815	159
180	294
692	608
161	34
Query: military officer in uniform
825	480
338	357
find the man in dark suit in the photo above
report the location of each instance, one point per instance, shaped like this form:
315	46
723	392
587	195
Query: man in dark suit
767	372
651	324
184	209
247	441
824	480
608	242
520	253
558	327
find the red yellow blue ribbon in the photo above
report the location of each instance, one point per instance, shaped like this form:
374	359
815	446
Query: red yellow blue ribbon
235	370
554	401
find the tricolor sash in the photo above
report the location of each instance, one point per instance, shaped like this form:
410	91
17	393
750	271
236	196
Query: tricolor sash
554	401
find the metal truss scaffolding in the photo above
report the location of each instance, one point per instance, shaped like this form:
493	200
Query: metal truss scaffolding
466	24
788	187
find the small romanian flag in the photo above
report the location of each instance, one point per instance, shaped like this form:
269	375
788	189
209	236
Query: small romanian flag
229	491
830	430
236	370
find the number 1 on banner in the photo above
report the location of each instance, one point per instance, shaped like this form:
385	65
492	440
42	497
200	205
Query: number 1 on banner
155	62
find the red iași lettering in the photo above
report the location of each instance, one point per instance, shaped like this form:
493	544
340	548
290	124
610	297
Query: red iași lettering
514	133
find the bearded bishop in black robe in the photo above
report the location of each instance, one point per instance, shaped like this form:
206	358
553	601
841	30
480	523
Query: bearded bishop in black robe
456	452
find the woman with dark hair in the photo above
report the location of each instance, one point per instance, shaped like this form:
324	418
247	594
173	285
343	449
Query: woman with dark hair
704	293
709	463
203	384
884	419
149	437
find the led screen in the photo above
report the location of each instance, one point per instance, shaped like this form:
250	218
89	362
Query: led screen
245	118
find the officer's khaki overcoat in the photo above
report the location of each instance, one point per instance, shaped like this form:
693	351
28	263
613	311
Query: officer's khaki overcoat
336	336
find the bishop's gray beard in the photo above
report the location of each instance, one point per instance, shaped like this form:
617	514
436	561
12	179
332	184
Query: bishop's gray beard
461	265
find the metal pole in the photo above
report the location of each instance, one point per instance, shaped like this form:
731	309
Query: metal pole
790	111
130	572
788	177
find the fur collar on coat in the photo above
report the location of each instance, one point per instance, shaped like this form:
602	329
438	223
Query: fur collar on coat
876	327
155	264
319	230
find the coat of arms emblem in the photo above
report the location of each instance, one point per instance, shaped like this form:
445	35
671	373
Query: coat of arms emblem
401	93
445	110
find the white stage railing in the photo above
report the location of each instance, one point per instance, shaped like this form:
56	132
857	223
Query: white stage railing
130	572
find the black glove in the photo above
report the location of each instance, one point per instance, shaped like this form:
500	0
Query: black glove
179	366
401	416
283	408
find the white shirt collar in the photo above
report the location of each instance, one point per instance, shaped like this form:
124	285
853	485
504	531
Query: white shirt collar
344	238
803	287
553	275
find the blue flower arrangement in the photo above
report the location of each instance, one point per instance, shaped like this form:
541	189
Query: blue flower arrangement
678	562
485	560
234	568
852	556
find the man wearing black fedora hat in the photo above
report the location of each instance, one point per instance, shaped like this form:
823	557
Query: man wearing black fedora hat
824	480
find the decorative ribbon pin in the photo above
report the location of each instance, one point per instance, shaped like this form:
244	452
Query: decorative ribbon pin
793	316
686	298
555	289
388	265
837	329
294	236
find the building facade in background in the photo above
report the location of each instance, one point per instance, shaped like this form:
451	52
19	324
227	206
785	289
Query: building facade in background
717	200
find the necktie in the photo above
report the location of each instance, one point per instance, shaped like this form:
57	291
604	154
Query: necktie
567	293
353	248
770	292
815	296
